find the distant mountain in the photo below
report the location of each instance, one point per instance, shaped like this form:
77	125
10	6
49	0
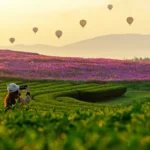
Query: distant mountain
114	41
108	46
112	46
37	48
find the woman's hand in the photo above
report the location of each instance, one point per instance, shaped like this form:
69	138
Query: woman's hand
28	91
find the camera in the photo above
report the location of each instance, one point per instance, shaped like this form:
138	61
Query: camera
23	87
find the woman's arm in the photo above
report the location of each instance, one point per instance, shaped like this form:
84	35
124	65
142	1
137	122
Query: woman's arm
27	99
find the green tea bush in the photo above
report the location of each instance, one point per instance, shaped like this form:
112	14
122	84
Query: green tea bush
54	121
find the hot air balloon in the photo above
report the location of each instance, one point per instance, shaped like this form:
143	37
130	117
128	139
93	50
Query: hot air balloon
110	6
12	40
58	33
83	23
35	29
130	20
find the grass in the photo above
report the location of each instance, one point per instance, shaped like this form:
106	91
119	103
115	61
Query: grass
44	92
60	123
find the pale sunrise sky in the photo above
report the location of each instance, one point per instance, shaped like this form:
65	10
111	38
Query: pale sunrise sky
18	17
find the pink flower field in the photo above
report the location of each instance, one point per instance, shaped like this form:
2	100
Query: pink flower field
32	65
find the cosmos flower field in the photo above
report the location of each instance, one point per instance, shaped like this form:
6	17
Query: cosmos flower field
32	65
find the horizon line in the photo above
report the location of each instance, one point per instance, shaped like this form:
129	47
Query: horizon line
76	41
124	58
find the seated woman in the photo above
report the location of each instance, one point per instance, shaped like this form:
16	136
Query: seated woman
14	93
